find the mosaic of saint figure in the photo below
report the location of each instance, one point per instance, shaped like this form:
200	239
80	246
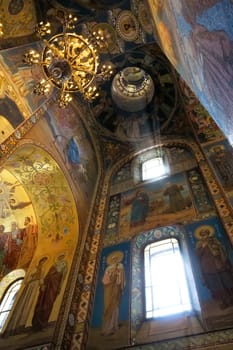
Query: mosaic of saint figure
140	208
176	200
49	291
27	299
216	268
29	237
113	283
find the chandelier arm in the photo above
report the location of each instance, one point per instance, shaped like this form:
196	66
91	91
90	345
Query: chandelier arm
69	56
77	82
80	67
85	70
65	25
42	87
55	51
64	86
65	41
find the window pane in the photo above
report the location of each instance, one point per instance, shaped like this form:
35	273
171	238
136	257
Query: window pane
164	272
153	168
148	299
148	276
8	301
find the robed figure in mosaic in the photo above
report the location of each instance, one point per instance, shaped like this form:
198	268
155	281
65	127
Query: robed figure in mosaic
216	268
27	298
48	293
113	284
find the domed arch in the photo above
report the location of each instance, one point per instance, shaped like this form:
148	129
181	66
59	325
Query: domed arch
12	282
54	226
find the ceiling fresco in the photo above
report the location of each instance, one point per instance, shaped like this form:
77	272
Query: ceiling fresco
17	101
15	203
18	17
36	170
197	37
126	122
125	26
131	42
28	188
58	194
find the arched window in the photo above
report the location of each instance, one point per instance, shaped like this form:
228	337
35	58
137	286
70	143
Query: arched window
153	168
8	301
166	290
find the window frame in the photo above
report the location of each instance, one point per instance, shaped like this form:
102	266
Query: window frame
8	291
166	327
168	315
153	167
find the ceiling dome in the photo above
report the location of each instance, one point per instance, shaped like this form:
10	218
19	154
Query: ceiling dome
132	89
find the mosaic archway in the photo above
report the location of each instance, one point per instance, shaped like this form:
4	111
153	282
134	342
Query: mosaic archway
39	218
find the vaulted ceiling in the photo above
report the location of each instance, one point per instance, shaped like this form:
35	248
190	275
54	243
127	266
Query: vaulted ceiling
131	43
134	39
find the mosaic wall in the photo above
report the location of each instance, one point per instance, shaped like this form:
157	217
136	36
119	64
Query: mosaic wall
72	140
111	308
134	208
39	233
18	18
212	307
197	38
213	142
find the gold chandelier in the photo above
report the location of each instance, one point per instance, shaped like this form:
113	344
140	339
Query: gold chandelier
70	62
